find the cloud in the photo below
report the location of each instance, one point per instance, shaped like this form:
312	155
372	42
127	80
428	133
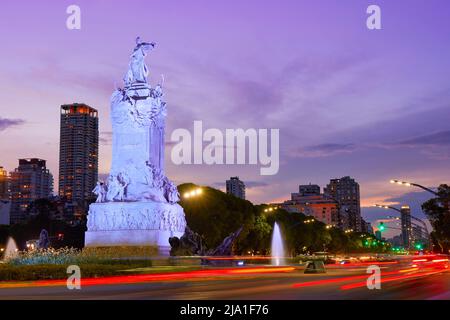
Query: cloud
256	98
436	145
8	123
324	150
255	184
435	139
248	184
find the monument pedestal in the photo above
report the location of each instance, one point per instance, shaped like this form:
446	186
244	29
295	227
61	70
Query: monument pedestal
134	224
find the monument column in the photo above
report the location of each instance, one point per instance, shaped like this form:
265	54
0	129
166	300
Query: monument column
138	204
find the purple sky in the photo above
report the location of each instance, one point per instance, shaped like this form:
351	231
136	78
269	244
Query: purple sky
348	101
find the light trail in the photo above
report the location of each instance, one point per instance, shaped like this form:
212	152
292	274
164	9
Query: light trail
390	279
334	280
141	278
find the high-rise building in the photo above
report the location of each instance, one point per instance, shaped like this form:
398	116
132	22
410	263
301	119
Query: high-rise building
396	241
236	187
306	190
78	156
366	226
30	181
378	235
311	202
4	182
407	235
5	209
346	192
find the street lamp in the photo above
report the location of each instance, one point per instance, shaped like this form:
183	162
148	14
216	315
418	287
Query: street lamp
193	193
270	209
398	210
411	184
423	224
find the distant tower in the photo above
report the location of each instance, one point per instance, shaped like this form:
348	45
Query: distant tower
346	191
5	204
78	156
30	181
236	187
309	190
4	184
407	236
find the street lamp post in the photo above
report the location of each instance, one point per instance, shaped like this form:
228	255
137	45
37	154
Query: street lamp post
411	184
423	224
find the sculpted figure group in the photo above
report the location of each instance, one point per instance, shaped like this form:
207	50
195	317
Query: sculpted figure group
157	184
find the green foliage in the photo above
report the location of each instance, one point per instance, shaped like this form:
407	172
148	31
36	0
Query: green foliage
437	211
68	256
214	215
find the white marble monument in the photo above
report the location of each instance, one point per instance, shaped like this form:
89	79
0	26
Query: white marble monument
137	205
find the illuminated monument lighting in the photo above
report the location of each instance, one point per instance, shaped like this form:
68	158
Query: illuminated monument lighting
137	206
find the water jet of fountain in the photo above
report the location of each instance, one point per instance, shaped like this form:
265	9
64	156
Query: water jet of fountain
277	247
11	250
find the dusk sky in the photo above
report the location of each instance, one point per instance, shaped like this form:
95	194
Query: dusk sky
371	104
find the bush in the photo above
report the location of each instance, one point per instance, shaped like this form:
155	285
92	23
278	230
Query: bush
67	256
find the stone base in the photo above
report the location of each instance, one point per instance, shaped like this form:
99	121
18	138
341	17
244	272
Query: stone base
118	224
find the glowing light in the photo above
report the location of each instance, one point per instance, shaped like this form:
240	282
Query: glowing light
193	193
333	280
140	278
397	278
440	260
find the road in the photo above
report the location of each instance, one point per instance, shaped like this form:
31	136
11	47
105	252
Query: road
398	281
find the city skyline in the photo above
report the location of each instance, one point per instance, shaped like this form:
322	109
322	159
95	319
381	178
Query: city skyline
348	101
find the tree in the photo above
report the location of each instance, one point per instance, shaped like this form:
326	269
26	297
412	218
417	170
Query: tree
215	215
437	211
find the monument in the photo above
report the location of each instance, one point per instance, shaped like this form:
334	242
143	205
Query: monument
137	205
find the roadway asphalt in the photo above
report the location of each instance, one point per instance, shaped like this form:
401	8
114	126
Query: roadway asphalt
398	282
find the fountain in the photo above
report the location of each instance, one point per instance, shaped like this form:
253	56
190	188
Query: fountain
277	247
11	250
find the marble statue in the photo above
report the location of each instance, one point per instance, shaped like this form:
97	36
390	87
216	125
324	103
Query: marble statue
138	205
100	192
44	240
137	70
